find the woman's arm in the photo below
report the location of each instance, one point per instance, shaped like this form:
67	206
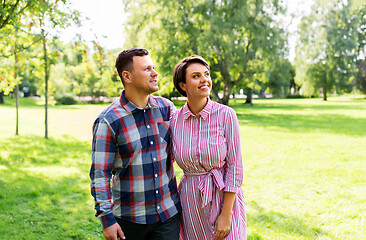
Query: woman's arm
233	174
223	222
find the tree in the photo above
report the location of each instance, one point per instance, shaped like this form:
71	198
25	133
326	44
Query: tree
279	77
326	53
11	11
10	14
361	76
229	34
36	16
358	21
50	16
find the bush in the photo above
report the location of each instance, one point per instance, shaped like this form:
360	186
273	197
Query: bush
66	100
295	96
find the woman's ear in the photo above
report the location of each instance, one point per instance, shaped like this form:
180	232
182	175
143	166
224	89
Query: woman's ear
182	85
126	76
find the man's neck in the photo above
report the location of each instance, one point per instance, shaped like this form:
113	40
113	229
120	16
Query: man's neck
138	99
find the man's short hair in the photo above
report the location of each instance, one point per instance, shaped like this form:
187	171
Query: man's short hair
124	61
179	72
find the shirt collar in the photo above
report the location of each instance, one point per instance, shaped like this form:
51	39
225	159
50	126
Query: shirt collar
130	107
203	113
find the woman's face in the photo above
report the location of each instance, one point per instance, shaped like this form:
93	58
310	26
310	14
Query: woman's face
198	81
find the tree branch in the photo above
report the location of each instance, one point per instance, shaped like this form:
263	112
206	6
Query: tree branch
241	76
6	21
18	50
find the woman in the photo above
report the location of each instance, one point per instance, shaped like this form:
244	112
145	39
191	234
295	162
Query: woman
206	146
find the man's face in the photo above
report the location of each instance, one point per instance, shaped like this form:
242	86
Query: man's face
144	77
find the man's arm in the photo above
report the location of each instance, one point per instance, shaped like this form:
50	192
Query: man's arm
103	154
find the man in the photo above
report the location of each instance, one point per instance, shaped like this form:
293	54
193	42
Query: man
131	146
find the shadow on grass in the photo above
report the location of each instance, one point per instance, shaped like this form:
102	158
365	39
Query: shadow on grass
290	104
44	189
281	223
318	116
40	151
332	123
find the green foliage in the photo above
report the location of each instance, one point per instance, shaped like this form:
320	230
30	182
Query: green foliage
361	76
66	100
233	36
332	38
24	26
279	76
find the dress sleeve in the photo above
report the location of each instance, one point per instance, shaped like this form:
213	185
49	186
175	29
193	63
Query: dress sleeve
103	155
234	163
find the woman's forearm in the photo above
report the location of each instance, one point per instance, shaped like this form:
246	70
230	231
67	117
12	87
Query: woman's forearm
227	207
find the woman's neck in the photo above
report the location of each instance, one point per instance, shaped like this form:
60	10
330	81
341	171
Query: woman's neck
196	105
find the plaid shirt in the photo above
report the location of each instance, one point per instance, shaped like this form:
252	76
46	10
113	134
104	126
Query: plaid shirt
131	146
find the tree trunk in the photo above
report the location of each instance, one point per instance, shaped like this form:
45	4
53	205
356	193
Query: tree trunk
215	96
2	97
248	92
227	92
46	71
325	88
16	93
325	93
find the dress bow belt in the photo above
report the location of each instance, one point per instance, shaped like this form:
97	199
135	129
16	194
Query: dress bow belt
209	186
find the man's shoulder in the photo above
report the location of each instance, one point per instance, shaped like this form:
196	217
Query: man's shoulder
162	102
109	113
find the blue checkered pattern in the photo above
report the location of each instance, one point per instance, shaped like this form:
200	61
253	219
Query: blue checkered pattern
132	174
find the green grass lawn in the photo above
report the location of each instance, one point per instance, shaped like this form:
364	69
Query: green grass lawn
304	165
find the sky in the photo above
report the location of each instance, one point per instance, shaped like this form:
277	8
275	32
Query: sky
104	22
106	19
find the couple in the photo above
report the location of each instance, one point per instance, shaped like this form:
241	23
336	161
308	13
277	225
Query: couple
135	142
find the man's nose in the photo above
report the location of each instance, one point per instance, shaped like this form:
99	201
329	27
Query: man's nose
154	73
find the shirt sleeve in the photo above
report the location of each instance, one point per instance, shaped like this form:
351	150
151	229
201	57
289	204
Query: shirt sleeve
173	112
103	155
234	163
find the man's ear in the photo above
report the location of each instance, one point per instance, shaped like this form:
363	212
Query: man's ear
182	85
126	76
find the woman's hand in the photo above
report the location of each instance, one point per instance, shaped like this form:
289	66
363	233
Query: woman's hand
222	226
223	222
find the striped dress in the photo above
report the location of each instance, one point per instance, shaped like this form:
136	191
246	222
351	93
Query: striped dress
206	146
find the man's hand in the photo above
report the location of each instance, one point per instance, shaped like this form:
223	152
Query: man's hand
112	232
222	227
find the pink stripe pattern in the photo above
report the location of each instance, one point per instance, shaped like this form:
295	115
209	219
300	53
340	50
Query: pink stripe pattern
206	146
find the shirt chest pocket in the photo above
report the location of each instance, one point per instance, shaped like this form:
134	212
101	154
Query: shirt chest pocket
164	135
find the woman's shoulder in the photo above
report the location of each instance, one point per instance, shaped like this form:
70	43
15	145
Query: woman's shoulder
222	109
175	113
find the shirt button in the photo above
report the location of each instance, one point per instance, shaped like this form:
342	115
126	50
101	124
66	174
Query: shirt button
151	142
148	126
157	191
158	207
154	159
156	175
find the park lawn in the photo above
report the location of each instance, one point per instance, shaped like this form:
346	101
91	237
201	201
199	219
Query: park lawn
304	165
